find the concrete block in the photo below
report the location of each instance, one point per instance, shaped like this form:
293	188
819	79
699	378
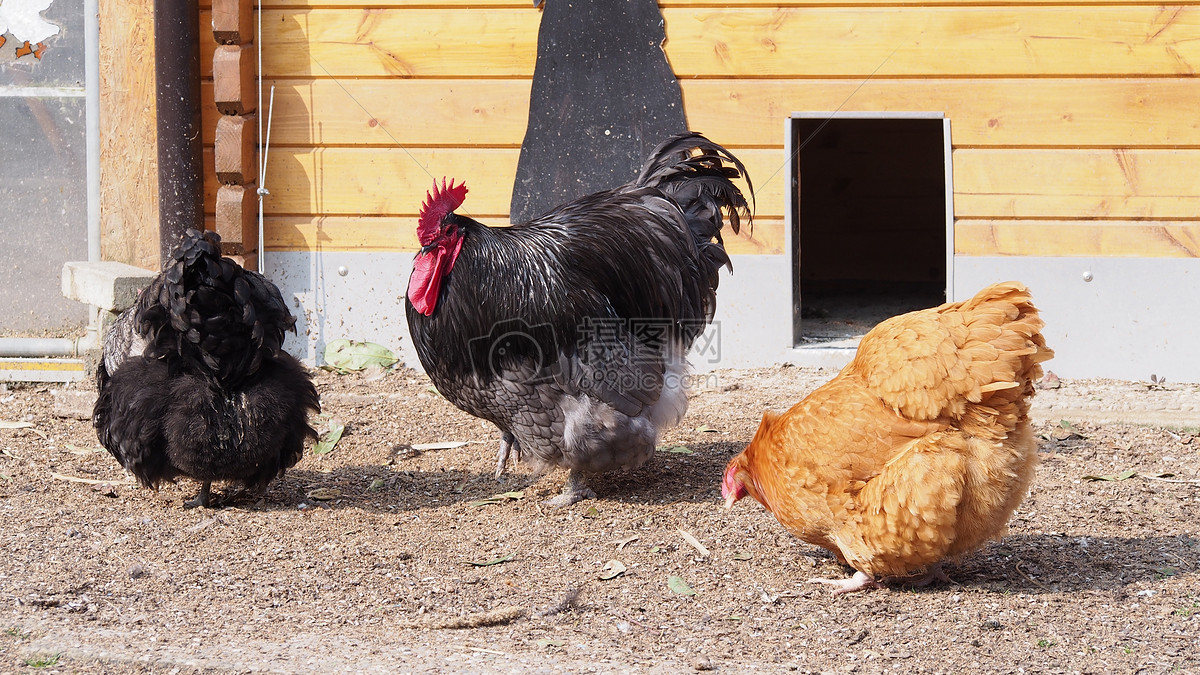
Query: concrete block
112	286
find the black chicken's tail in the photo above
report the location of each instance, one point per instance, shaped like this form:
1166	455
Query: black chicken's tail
208	314
698	175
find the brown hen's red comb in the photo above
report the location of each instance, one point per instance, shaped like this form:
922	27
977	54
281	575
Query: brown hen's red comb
438	203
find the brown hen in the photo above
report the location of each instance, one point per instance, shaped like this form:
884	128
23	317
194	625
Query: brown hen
918	451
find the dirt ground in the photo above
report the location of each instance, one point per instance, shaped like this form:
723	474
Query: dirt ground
367	559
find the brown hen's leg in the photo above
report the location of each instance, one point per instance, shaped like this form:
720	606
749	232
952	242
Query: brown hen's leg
859	582
935	573
202	499
508	443
575	490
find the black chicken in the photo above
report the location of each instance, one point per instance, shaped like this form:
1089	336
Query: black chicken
570	332
194	380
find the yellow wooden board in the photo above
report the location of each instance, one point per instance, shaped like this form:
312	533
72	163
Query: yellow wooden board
1080	184
1003	112
852	42
516	4
342	233
394	181
1140	239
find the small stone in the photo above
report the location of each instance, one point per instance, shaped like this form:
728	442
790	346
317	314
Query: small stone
703	663
136	570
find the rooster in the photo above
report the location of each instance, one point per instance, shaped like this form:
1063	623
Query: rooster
918	451
570	332
194	380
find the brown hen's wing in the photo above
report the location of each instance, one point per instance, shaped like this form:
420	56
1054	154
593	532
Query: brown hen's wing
810	462
933	363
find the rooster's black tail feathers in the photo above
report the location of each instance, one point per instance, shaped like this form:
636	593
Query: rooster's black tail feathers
698	176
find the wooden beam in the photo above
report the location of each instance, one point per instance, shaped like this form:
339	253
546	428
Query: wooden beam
1113	184
129	231
234	73
765	41
392	234
394	181
1127	239
233	22
236	206
234	150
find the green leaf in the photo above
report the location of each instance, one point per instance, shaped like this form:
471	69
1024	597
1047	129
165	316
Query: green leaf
376	485
550	642
1166	571
741	555
591	512
680	450
329	438
678	585
324	494
705	429
493	561
345	356
1124	475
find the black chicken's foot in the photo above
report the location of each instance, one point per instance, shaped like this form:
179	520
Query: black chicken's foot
508	443
202	499
575	490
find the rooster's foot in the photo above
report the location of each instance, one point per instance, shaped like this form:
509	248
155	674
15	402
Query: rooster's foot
203	499
576	490
508	443
859	582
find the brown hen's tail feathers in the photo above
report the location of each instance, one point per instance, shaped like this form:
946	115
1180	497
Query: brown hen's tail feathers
964	361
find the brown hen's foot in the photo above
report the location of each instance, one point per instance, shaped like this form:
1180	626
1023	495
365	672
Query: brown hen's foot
575	490
508	443
859	582
203	499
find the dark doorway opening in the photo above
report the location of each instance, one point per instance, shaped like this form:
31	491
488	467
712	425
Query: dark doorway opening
870	219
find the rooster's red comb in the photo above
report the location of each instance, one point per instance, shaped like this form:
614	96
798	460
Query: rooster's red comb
438	203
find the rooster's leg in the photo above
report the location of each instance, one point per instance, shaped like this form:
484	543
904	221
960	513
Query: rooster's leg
507	443
575	490
859	582
202	499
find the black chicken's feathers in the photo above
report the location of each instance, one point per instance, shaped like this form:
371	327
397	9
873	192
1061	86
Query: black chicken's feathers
194	380
600	297
161	425
207	314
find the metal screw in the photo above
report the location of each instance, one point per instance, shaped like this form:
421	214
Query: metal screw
342	271
1087	275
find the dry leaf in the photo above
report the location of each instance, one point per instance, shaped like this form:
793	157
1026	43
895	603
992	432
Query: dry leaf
693	542
613	569
444	445
324	494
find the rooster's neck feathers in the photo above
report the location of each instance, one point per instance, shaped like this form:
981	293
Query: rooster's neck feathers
439	203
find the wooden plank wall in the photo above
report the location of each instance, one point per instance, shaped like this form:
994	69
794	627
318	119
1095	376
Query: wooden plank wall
128	135
1073	123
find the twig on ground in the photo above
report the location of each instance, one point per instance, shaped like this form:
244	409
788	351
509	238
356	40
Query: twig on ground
1031	580
89	481
495	617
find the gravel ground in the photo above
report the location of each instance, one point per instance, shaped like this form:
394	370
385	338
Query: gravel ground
367	558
